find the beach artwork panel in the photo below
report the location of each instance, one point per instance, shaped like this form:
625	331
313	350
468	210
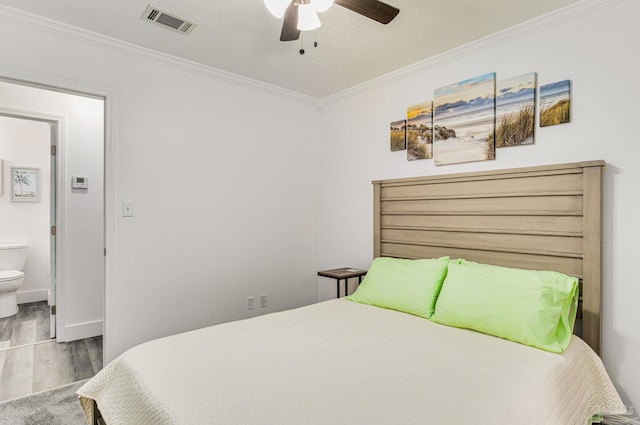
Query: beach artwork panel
555	103
515	111
420	131
464	121
398	135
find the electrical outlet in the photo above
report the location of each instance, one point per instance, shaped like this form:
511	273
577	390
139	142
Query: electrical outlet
263	300
249	303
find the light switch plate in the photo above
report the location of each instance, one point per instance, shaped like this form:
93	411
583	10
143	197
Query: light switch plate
127	208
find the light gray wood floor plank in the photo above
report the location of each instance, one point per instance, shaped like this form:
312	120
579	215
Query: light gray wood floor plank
94	347
30	324
43	320
52	366
3	355
58	364
6	328
24	332
17	373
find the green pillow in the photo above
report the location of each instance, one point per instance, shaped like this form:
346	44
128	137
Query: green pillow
410	286
536	308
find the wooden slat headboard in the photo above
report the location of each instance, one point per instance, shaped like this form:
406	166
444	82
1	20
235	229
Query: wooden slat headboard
539	218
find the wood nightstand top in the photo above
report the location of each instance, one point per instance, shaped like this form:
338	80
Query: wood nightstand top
342	273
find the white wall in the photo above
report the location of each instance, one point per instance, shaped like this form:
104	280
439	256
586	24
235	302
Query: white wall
223	176
26	143
81	272
223	180
593	50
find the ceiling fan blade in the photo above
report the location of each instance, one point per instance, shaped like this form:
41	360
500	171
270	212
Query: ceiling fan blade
374	9
290	29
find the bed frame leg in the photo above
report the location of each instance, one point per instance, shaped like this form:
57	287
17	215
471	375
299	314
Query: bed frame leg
97	416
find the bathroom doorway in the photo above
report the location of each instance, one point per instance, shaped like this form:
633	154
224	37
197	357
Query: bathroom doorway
76	212
71	193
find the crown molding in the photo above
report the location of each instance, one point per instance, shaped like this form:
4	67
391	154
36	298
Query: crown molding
58	29
551	19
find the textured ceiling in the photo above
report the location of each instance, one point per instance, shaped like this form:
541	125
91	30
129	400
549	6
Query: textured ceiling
240	36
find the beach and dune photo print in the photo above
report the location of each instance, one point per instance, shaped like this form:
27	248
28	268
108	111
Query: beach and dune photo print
464	121
515	110
398	135
555	103
420	131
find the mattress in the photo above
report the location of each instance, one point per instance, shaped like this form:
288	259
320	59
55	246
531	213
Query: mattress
340	362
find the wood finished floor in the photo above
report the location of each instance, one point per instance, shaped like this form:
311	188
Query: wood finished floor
29	325
31	362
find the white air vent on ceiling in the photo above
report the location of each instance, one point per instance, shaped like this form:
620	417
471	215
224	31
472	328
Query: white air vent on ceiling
167	20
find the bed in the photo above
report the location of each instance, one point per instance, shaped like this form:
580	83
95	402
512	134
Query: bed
344	362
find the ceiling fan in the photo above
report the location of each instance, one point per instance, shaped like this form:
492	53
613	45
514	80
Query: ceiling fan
302	15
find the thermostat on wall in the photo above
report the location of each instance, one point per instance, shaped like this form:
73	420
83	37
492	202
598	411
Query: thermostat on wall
78	182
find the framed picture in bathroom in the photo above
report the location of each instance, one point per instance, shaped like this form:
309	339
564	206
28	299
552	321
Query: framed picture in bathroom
25	184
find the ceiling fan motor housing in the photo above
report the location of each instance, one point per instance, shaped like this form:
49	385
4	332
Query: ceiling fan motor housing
372	9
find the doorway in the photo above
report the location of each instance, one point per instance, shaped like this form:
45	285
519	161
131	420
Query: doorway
77	287
75	241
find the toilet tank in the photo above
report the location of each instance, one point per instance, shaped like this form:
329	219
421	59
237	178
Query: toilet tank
13	256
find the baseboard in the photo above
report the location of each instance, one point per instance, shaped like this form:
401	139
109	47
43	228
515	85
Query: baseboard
32	296
80	331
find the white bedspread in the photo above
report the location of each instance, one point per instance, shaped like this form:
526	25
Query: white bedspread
339	362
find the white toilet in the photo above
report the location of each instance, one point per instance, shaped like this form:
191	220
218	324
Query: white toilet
12	260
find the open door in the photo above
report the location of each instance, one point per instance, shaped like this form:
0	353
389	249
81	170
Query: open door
53	223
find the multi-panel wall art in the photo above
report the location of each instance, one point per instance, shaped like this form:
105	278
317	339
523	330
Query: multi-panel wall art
468	120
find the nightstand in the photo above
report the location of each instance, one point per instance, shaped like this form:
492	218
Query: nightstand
345	274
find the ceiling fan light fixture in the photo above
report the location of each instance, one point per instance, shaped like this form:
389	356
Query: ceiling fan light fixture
277	7
321	5
308	17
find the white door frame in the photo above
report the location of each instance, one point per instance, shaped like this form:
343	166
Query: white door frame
47	82
58	125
